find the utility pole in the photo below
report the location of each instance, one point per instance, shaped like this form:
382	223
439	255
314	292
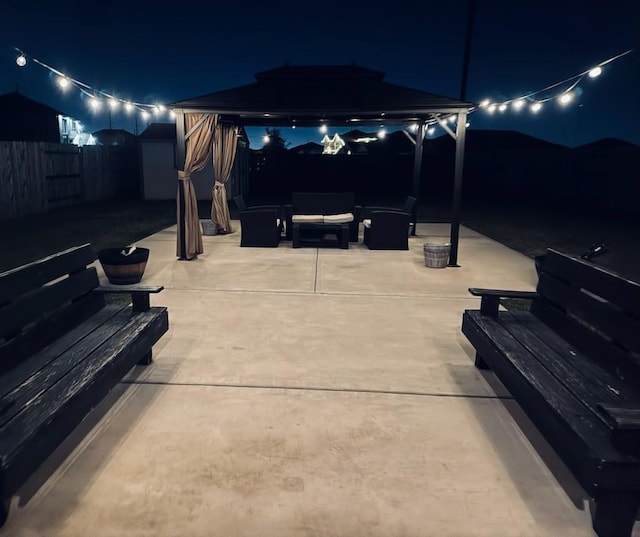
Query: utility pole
467	49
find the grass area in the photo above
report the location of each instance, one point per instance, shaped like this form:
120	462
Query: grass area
526	229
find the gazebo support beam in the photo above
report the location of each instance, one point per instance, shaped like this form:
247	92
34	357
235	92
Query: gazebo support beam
461	130
181	155
417	172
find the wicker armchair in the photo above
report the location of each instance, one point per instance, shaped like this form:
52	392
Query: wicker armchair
260	227
409	206
387	230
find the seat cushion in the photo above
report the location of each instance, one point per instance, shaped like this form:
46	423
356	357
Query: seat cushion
308	218
341	218
366	222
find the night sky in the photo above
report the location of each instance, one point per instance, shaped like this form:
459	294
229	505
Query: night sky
151	52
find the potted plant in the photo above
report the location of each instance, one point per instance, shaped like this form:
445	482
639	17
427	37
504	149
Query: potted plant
124	265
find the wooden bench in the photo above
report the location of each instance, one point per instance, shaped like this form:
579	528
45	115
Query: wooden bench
572	363
62	349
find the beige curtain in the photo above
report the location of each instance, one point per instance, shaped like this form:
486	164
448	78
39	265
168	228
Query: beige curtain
198	134
225	141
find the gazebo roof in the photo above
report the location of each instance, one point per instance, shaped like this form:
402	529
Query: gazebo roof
307	94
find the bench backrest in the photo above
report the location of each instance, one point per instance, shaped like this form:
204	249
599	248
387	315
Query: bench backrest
594	309
322	202
43	299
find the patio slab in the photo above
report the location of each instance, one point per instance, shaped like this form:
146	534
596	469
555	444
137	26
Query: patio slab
309	392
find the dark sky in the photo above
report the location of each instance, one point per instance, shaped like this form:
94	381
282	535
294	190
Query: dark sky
153	52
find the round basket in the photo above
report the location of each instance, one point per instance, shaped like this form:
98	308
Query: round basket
123	269
436	255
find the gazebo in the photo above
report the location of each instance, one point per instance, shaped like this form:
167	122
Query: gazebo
302	96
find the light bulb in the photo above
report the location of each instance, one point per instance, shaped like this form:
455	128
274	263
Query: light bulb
144	114
21	60
518	104
128	107
596	71
485	103
323	129
502	107
94	103
382	133
535	107
156	110
266	139
467	124
431	130
113	104
491	109
414	127
566	98
63	82
452	119
172	114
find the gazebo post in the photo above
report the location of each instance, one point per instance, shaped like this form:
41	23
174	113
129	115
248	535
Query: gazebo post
181	155
461	129
417	172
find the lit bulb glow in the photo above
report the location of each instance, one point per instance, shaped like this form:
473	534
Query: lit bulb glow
172	114
414	127
452	119
21	60
565	98
517	105
293	126
491	109
94	103
266	139
113	104
63	82
596	71
502	107
467	124
381	134
536	107
485	103
128	107
144	114
323	129
431	130
156	110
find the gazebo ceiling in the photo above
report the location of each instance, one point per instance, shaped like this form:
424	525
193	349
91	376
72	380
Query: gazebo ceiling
305	95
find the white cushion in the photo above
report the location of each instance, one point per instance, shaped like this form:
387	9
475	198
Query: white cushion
367	222
308	218
342	218
278	222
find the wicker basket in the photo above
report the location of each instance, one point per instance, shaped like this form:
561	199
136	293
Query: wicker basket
436	255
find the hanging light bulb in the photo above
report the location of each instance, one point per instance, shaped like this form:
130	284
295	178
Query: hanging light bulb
414	127
492	108
467	124
431	130
565	98
156	110
113	104
518	104
452	119
485	103
63	82
536	107
323	129
266	139
172	114
502	107
128	107
144	114
94	104
596	71
381	134
21	60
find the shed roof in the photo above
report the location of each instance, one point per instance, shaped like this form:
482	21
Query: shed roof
306	94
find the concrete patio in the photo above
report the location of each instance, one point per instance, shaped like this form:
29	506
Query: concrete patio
310	392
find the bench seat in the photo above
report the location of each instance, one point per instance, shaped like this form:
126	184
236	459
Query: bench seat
572	364
62	349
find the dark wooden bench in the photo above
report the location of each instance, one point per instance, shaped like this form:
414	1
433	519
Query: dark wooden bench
62	349
572	363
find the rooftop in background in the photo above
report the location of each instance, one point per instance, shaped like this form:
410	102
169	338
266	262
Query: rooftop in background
306	94
159	131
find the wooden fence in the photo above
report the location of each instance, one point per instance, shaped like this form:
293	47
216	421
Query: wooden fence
38	176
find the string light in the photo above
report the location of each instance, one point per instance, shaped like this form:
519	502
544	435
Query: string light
323	129
564	97
95	96
381	134
266	139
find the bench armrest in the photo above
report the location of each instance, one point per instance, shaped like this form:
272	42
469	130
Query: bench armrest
491	298
139	294
625	426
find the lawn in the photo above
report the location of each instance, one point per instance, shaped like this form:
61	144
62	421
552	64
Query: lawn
526	229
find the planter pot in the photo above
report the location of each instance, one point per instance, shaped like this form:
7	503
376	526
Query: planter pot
209	227
436	255
123	269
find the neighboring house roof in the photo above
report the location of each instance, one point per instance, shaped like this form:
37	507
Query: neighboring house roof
114	137
310	148
309	93
606	143
503	140
24	119
17	101
159	131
